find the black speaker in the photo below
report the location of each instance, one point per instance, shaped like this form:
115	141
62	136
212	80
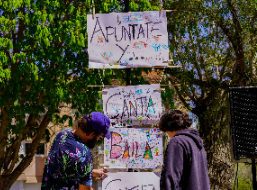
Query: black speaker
243	121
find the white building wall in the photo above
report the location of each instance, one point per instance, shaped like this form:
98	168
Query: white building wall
18	185
32	186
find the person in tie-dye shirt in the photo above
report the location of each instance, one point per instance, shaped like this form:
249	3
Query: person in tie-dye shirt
69	164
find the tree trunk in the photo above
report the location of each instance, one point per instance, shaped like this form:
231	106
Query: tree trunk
216	142
6	182
221	170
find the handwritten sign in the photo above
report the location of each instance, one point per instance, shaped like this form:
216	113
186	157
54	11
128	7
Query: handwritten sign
121	40
133	105
133	148
131	181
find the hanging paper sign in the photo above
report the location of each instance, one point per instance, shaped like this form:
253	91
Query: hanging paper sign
122	40
132	105
131	181
133	148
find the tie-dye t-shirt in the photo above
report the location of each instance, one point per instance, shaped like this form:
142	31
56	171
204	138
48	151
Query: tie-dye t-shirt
69	163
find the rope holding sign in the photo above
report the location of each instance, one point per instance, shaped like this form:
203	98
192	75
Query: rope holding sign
160	5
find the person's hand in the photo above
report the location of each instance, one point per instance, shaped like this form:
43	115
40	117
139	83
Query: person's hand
99	173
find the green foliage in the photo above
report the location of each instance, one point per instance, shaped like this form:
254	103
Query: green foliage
215	43
205	38
100	142
243	178
167	97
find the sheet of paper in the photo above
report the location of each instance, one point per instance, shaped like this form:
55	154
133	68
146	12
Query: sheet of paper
122	40
133	148
131	181
132	105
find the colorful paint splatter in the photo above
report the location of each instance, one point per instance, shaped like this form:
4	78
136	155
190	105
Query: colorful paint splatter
134	39
69	163
133	148
132	105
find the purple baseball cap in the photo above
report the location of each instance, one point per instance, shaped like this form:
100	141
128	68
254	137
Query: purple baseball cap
100	122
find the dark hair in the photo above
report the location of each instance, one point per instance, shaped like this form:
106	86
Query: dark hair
86	127
174	120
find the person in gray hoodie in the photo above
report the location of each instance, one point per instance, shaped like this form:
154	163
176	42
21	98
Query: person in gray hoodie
185	162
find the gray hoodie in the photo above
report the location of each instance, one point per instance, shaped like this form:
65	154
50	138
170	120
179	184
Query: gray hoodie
185	163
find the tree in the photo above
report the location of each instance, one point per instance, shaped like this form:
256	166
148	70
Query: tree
215	42
43	62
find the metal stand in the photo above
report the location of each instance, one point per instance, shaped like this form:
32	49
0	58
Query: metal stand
254	174
126	5
128	70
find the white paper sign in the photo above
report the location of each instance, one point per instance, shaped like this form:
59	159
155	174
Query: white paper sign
133	39
133	148
131	181
133	105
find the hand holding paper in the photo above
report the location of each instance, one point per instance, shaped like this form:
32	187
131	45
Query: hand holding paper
99	173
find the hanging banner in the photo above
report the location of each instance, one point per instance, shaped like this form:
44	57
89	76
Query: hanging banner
133	105
123	40
131	181
133	148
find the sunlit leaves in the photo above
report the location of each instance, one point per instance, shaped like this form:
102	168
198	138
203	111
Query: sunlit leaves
43	54
206	40
133	6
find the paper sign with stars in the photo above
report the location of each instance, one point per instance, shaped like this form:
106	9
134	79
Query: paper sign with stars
133	148
133	105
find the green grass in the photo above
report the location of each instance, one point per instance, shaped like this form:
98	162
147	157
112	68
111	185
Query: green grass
244	177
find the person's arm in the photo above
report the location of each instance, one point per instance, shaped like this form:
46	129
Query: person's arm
84	187
99	173
173	167
84	172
